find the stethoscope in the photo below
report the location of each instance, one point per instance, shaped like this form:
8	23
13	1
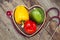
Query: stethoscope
9	15
50	18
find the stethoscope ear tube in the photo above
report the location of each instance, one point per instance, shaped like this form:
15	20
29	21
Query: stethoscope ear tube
57	18
53	8
58	14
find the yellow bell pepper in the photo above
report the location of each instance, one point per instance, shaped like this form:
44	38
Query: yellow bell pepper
21	14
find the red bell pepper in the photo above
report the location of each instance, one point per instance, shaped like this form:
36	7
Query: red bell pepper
30	27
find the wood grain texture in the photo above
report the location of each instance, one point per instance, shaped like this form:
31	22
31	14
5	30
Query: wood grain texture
7	30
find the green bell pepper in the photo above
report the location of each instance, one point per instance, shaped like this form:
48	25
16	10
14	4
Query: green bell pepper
37	15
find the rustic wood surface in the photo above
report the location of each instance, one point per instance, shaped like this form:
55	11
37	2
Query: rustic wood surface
7	30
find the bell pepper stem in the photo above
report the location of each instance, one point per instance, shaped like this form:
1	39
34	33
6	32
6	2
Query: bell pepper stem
22	24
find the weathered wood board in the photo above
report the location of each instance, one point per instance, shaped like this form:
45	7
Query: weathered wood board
7	30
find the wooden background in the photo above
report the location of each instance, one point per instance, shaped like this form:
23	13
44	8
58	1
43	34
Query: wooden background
7	30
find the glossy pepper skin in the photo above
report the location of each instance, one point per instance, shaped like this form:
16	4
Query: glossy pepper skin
30	27
37	15
21	14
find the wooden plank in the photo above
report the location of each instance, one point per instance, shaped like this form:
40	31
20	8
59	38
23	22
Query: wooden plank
7	30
